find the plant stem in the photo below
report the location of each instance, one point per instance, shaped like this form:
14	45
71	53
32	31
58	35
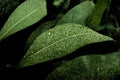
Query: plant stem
95	18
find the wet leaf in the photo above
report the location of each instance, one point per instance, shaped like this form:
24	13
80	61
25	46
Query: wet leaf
42	28
90	67
60	41
26	14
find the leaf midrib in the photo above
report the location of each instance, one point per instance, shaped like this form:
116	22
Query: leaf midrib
17	23
55	43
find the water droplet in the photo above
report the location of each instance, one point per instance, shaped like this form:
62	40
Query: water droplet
32	52
8	65
43	45
63	61
67	35
49	33
59	53
3	9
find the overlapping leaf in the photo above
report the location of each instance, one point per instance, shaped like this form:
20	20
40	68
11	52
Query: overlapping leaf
60	41
90	67
42	28
28	13
78	14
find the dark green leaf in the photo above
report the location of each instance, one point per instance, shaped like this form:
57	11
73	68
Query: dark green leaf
66	4
90	67
28	13
78	14
60	41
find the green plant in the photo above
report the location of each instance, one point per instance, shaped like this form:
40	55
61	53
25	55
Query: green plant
64	45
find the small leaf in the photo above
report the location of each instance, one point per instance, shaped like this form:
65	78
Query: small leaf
58	3
60	41
28	13
78	14
90	67
66	4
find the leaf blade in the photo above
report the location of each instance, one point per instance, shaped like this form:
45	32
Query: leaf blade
42	28
78	14
58	42
92	67
24	15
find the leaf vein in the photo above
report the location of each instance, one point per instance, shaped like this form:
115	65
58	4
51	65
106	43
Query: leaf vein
18	23
55	43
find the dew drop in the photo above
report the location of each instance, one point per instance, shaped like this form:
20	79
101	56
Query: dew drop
3	9
32	52
43	45
49	33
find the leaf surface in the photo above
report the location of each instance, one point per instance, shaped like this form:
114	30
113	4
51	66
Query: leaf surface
78	14
60	41
90	67
26	14
42	28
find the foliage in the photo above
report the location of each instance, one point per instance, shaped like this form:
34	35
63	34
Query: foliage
60	40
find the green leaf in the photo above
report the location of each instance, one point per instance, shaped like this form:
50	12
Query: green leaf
60	41
90	67
42	28
28	13
78	14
